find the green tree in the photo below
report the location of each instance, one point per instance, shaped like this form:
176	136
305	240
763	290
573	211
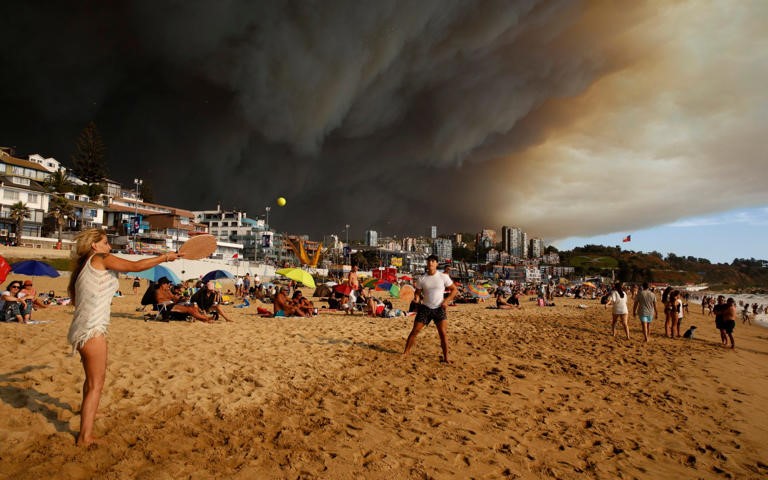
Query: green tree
89	157
465	254
58	208
359	259
19	212
146	192
59	182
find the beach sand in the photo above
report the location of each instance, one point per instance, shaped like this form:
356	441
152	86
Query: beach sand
539	392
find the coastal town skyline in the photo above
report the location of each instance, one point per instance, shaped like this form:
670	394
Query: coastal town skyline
582	123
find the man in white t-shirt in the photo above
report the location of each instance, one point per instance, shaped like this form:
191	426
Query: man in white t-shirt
430	290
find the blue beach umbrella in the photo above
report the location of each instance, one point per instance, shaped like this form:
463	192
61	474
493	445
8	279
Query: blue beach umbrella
34	268
157	272
216	275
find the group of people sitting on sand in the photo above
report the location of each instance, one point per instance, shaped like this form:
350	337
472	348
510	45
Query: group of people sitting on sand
203	303
20	299
296	306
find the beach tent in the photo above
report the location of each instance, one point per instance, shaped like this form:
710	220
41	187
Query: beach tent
322	291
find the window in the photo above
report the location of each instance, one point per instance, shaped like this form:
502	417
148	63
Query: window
92	213
11	195
20	181
32	197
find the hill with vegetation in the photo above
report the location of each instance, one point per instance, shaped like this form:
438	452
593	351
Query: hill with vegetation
629	266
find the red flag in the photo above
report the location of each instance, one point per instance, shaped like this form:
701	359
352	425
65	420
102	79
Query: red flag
237	255
628	238
5	269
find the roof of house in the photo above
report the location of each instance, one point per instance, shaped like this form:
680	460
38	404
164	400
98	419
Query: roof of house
33	185
7	158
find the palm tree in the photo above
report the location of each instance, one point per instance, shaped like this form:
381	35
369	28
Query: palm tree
59	208
19	211
59	182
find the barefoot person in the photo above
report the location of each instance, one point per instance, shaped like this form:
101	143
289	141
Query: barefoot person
91	287
620	310
729	320
432	306
644	307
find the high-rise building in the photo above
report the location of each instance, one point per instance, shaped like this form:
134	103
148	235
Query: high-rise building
433	232
513	241
443	248
371	238
537	247
524	244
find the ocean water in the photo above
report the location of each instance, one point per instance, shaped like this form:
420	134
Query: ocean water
760	319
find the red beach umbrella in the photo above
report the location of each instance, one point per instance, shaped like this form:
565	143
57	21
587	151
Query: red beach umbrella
343	288
5	269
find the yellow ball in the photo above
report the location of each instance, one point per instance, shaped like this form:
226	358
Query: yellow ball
281	201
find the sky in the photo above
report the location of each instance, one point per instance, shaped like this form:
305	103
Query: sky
571	119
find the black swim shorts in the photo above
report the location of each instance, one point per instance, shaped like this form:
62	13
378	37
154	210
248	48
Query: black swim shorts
425	314
729	325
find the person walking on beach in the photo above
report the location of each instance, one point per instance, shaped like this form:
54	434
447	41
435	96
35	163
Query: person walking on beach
676	307
620	310
432	305
91	287
719	310
668	314
354	282
729	320
644	307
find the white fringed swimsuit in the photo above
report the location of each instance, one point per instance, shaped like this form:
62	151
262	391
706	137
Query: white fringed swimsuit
94	290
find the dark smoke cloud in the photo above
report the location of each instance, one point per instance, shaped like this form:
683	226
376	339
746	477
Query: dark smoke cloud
567	118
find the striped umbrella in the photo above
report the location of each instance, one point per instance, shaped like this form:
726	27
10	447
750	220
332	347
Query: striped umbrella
477	291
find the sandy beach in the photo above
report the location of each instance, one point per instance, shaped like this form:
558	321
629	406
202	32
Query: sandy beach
532	393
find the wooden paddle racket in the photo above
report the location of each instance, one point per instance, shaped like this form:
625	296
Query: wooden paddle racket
201	246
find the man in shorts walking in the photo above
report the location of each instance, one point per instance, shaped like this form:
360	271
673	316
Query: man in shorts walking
429	292
645	308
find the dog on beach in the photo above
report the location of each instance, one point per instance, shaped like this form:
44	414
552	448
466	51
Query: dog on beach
690	332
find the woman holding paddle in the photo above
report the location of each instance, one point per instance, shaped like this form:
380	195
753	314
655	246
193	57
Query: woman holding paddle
91	287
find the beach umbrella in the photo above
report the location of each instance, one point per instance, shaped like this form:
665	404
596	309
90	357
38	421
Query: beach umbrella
216	274
299	275
477	291
370	282
5	269
35	268
407	292
406	278
588	284
343	288
156	273
394	291
383	286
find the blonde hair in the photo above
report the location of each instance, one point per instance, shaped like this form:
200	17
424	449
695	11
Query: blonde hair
81	254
